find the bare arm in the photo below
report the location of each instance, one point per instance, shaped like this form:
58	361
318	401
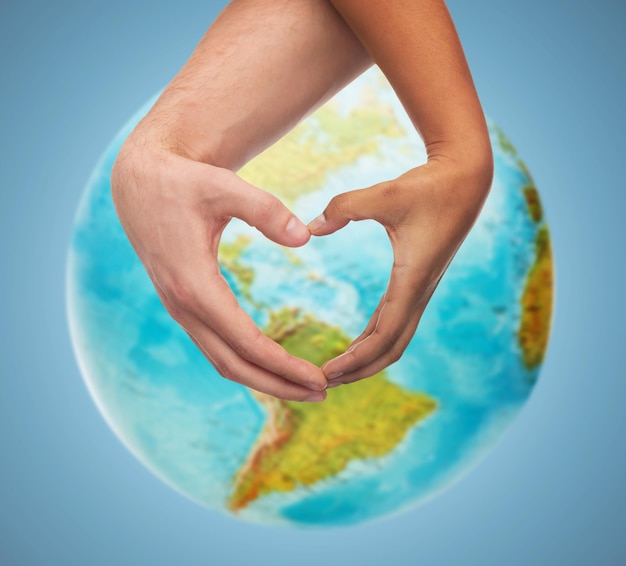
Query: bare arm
415	44
429	210
259	69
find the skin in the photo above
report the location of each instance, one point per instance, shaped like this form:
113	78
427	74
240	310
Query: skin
429	210
175	187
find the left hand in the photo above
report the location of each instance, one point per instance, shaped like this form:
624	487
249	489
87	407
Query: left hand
427	213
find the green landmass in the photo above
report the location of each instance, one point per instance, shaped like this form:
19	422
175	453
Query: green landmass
507	147
292	258
329	140
537	296
304	443
537	299
505	144
230	259
532	201
302	335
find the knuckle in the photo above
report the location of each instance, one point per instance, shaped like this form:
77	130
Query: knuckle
173	310
388	339
267	209
285	396
245	348
340	204
395	354
242	349
353	357
182	296
226	370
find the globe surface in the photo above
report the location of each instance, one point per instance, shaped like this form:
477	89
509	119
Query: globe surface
372	448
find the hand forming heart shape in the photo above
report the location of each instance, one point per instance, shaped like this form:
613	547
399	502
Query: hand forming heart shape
242	89
427	213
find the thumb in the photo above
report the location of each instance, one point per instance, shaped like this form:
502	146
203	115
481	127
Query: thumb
267	214
353	205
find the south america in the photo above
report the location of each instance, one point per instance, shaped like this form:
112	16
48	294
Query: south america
302	444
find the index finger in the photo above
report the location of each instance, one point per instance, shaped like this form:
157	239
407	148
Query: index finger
403	302
216	307
234	368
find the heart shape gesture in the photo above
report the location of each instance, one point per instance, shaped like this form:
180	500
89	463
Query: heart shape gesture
175	188
427	213
176	235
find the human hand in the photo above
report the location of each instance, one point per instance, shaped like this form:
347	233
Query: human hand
427	213
174	210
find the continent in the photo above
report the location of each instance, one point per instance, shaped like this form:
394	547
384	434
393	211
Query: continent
329	140
534	204
301	443
503	142
537	296
230	260
534	327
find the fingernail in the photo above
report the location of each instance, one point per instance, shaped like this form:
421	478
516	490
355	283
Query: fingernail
335	375
317	386
316	397
336	384
295	228
317	223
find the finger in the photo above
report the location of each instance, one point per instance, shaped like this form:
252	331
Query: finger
232	367
370	325
352	205
402	300
368	330
223	315
382	362
265	212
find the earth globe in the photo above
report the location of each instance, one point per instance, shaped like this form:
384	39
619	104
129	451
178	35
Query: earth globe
373	448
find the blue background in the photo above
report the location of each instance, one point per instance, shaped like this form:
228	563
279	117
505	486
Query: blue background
552	74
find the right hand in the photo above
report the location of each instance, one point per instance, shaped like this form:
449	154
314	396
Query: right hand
174	210
174	184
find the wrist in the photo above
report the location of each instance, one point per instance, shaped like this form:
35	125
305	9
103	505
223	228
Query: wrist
169	128
471	160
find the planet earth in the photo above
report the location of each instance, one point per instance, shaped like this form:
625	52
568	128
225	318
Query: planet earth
373	448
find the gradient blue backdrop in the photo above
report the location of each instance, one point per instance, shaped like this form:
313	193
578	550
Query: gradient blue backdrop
552	74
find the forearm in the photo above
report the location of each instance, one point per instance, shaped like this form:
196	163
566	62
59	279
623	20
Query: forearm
429	210
416	45
259	69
